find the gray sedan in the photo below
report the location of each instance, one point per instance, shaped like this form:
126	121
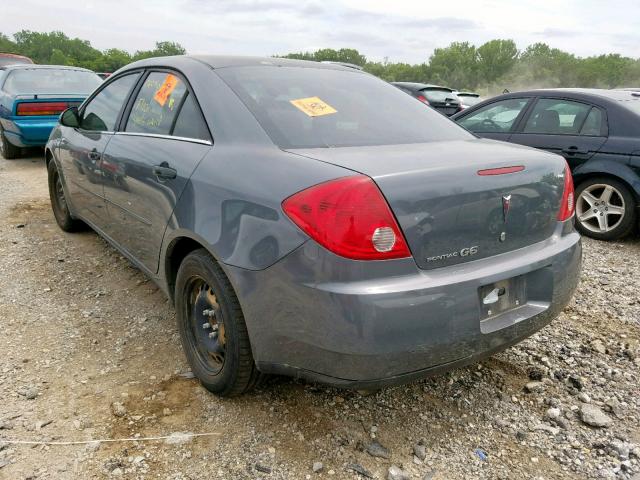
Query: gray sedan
311	220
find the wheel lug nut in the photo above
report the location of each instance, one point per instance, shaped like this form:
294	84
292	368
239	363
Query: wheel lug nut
206	325
213	335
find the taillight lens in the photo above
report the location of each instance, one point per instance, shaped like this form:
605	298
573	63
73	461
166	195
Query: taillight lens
350	217
568	205
423	99
41	108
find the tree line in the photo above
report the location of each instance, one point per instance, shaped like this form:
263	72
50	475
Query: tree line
496	65
488	68
55	48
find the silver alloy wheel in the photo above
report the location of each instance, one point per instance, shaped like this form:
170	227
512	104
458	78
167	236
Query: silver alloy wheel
600	208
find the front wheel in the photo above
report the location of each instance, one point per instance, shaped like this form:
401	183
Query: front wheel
605	209
8	150
212	327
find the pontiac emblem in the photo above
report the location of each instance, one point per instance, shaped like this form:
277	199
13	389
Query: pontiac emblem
506	205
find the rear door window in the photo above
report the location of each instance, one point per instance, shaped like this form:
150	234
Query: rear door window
189	123
556	116
593	124
497	117
157	103
101	113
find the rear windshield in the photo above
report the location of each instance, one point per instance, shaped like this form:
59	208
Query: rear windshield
469	99
633	105
439	94
42	81
314	107
9	60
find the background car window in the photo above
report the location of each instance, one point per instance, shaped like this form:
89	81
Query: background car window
102	111
190	123
497	117
157	104
593	124
557	117
51	80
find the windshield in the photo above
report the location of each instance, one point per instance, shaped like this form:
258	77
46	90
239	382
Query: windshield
469	100
40	81
12	60
316	107
439	94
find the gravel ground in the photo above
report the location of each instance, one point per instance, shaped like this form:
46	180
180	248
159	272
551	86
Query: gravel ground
89	351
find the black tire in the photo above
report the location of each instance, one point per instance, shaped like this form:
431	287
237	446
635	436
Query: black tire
237	373
8	150
626	223
58	201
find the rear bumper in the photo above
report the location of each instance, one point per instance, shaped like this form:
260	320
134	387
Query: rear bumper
369	324
29	132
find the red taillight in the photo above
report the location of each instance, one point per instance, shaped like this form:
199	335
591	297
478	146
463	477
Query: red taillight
350	217
423	99
568	204
41	108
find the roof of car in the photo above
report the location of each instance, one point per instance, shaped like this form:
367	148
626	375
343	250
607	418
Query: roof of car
224	61
419	86
31	66
577	92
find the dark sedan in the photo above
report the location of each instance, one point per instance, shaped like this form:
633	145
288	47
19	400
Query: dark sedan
596	131
442	99
303	229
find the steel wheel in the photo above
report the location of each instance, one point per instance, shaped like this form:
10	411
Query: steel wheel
206	332
600	208
60	202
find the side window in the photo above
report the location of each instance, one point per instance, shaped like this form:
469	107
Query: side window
190	123
593	124
497	117
101	113
157	104
557	117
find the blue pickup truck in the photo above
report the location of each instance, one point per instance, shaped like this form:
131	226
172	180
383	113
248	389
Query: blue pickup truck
32	97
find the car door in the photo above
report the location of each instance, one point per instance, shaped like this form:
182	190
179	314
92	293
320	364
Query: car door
573	129
161	140
80	150
497	119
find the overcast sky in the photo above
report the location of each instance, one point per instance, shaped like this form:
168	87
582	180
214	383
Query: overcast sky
400	30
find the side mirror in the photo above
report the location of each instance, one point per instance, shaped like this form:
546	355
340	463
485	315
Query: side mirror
70	117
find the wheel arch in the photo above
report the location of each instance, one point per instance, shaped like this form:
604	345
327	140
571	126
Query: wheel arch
620	173
176	251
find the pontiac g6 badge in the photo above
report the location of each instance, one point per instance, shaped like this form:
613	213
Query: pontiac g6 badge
506	205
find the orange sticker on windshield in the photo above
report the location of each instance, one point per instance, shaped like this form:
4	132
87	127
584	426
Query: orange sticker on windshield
313	106
169	84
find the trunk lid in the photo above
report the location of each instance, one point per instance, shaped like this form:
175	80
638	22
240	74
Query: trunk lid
448	212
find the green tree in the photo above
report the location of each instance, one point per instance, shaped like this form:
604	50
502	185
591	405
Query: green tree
163	49
41	46
496	58
455	65
6	45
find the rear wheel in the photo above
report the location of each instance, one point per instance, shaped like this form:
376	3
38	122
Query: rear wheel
8	150
59	201
605	209
212	328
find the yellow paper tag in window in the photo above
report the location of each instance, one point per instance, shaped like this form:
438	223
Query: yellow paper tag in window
169	84
313	106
